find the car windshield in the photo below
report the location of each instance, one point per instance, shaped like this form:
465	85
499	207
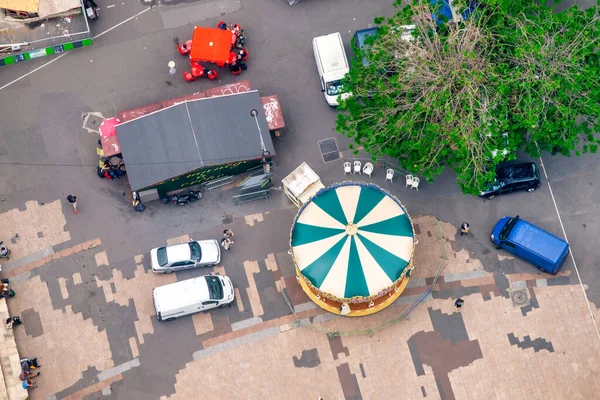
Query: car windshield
335	88
215	289
507	228
195	251
161	254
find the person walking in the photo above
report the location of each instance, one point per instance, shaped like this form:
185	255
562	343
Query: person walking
226	243
464	228
73	200
227	233
459	303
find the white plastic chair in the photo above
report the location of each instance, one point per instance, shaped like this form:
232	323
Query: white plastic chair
368	169
357	165
415	183
389	175
409	180
347	167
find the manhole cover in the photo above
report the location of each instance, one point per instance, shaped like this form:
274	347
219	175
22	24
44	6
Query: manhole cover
329	150
227	219
519	297
92	122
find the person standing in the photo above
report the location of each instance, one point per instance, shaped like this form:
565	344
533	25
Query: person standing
226	243
464	228
73	200
227	233
459	303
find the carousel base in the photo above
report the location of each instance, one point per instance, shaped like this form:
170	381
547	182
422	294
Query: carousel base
354	313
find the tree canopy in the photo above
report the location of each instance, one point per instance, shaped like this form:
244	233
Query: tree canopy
468	94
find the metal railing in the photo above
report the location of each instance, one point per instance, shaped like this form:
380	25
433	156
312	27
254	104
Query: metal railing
217	183
248	197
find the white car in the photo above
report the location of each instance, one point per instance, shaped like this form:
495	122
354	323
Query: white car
203	253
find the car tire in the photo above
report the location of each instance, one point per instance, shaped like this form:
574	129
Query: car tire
224	305
531	189
171	319
490	196
169	271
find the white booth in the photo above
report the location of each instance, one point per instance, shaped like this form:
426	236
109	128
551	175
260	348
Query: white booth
301	184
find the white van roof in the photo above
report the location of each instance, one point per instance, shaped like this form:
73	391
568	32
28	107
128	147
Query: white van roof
331	52
181	294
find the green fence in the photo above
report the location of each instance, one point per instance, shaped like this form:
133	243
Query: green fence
59	48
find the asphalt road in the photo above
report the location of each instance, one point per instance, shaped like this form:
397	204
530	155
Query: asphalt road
45	153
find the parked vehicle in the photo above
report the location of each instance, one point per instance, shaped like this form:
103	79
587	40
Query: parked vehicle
191	296
203	253
91	10
332	65
186	197
511	178
533	244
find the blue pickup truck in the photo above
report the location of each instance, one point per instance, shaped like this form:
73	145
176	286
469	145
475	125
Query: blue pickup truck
533	244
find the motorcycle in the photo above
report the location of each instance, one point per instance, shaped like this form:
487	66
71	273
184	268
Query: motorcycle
186	197
4	251
91	10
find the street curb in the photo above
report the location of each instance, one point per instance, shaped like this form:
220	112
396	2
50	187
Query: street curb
45	51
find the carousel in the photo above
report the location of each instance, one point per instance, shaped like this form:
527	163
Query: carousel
352	245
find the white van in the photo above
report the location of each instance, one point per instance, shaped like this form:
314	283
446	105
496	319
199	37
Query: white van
332	65
192	296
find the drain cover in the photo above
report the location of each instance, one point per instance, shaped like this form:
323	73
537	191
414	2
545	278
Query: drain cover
519	297
92	122
329	150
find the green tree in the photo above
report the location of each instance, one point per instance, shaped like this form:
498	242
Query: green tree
469	94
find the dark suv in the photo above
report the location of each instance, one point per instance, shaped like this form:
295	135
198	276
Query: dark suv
512	178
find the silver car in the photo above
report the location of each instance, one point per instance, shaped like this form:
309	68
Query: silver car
203	253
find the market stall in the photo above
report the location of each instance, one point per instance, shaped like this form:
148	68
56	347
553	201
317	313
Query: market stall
193	141
301	184
223	46
352	244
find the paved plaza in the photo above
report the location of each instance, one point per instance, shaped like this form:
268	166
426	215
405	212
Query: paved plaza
83	282
519	335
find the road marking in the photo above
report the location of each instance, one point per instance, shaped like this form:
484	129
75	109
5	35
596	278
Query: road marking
122	22
587	301
64	54
31	72
111	6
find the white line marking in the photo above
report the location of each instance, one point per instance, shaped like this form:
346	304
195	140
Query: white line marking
31	72
64	54
111	6
587	301
122	22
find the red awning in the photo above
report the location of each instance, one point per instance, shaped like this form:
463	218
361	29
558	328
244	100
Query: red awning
211	44
108	136
273	113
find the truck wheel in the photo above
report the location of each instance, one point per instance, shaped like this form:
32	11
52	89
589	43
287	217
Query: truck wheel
170	319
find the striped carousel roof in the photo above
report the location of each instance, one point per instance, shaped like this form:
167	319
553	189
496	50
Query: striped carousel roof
352	239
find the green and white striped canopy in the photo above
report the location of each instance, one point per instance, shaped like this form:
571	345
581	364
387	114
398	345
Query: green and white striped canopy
352	239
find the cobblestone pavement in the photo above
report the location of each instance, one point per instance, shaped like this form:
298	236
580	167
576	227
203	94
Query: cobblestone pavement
92	325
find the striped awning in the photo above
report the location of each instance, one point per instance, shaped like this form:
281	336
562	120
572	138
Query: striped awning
352	239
